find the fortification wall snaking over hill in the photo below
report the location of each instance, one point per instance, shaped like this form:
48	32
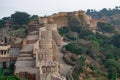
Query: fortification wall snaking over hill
61	18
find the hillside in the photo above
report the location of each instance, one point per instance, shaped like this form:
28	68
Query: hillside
93	52
111	16
15	27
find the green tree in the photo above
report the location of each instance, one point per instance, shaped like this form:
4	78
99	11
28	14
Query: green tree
75	48
85	33
1	24
3	21
81	64
79	68
74	24
105	27
34	17
112	74
88	11
63	30
95	45
4	65
113	68
20	18
9	78
116	40
1	71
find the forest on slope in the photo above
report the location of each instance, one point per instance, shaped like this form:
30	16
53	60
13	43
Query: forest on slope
95	54
111	16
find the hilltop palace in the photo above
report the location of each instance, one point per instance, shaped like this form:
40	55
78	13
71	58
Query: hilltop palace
38	58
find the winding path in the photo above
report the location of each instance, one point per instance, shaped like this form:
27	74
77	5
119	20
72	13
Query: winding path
64	68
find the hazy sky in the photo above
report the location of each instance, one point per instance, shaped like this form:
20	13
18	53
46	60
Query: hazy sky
47	7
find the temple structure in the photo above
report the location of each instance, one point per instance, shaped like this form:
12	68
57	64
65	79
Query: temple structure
4	52
4	48
47	54
38	59
8	53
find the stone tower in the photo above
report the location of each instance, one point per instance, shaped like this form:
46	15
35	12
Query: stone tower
46	56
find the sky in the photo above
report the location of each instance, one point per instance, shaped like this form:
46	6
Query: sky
48	7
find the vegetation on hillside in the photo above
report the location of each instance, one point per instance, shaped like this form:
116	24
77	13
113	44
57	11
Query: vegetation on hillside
106	27
102	50
9	78
111	16
16	26
75	48
20	18
104	12
17	19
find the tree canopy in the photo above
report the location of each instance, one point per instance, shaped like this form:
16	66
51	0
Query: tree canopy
116	40
20	18
9	78
34	17
1	24
75	48
105	27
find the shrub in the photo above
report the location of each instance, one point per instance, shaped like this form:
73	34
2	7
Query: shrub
1	71
9	78
105	27
74	48
63	30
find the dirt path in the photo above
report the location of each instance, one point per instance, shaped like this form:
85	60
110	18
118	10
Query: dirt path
64	68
